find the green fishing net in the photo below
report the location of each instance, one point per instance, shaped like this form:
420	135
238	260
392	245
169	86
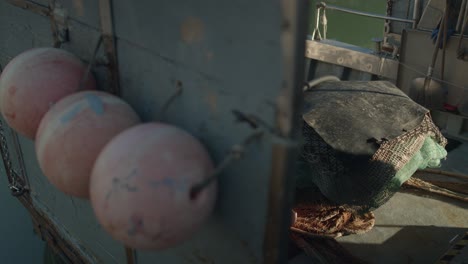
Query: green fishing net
363	140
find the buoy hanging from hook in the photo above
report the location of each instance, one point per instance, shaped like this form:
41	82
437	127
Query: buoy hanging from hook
141	186
72	134
36	79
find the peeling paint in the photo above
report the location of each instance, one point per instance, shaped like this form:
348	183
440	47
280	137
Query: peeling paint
192	30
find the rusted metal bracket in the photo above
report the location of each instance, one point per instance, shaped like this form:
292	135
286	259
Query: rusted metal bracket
59	24
16	183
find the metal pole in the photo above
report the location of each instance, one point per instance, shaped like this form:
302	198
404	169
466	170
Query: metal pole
461	16
366	14
415	13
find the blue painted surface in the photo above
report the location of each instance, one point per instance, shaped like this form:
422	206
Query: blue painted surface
95	103
70	115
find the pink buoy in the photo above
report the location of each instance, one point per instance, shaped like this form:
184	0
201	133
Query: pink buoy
141	186
33	81
72	134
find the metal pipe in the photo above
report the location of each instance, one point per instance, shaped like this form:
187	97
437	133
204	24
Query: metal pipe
416	13
366	14
461	16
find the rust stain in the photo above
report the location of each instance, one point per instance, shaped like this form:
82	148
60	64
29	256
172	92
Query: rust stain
192	30
212	101
79	7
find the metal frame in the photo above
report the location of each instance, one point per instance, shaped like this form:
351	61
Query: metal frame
366	14
365	62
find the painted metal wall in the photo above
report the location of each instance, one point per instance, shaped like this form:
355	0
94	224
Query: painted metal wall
225	55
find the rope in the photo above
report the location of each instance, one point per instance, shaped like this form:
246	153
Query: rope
171	99
315	82
237	151
325	23
317	25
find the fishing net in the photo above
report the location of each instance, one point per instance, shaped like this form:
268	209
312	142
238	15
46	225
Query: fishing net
331	221
363	140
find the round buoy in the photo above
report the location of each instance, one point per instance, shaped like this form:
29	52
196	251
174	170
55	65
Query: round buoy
72	134
36	79
141	186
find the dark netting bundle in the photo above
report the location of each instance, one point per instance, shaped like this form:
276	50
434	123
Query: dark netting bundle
363	140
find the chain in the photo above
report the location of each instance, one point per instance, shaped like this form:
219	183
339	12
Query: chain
16	188
5	152
387	25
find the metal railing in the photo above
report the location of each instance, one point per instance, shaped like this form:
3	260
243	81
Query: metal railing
366	14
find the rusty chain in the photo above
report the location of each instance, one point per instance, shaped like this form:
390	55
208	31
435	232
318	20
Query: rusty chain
387	25
16	188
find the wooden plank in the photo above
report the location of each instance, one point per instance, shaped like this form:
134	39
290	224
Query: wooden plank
365	62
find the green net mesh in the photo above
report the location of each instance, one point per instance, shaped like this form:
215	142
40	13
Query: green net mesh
368	181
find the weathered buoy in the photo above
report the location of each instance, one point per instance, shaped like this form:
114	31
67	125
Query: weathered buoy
141	186
72	134
33	81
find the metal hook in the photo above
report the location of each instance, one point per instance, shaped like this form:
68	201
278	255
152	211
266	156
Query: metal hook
90	64
17	190
171	99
